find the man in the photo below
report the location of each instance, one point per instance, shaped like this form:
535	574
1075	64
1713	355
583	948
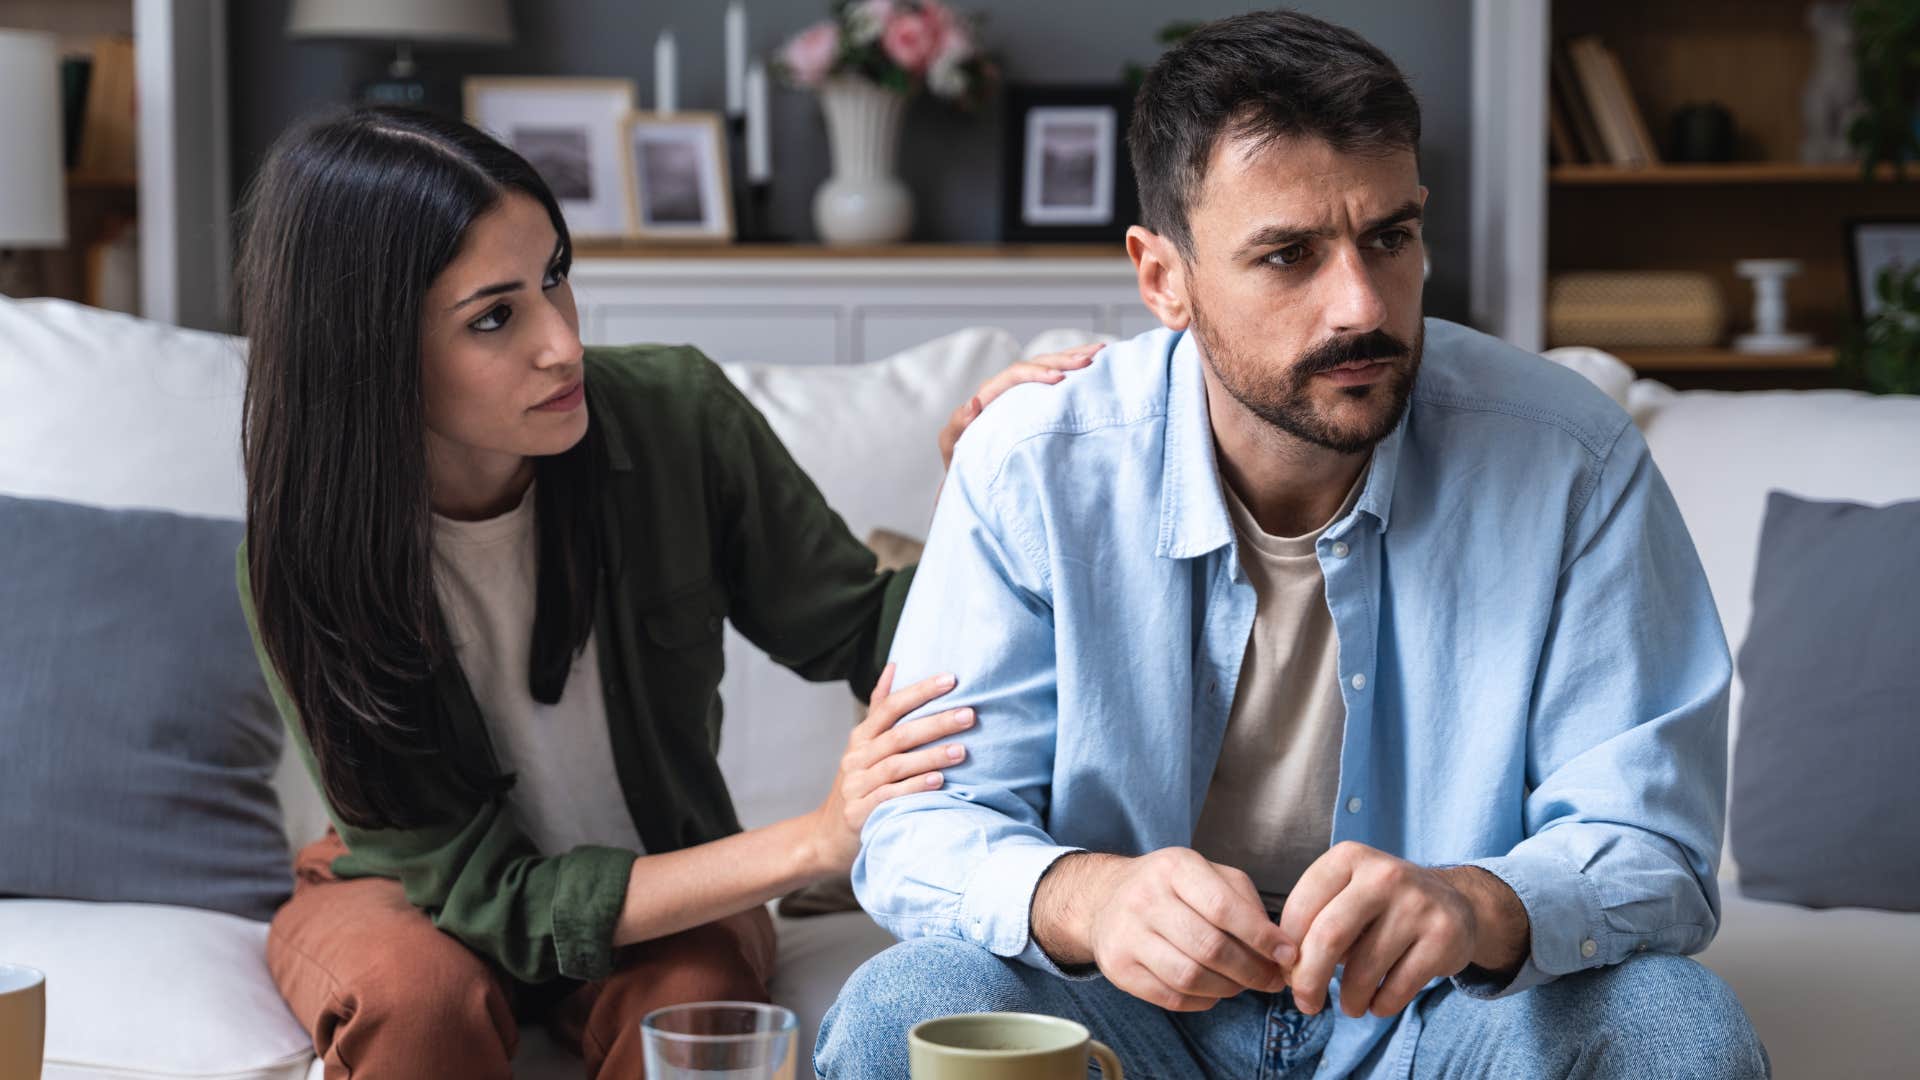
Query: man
1350	697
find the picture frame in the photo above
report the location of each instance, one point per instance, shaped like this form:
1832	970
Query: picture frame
570	131
1873	244
1065	176
678	187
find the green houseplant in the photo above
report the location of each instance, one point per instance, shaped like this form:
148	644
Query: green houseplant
1886	42
1884	355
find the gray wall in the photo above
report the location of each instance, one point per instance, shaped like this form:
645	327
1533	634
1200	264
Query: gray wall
950	160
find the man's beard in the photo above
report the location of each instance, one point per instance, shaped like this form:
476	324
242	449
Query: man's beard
1285	399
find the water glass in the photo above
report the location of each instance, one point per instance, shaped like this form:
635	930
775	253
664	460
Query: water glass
720	1040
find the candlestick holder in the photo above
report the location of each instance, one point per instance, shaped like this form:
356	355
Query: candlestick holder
752	201
758	222
1770	333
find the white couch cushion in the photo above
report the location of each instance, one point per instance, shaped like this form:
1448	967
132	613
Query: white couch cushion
136	990
107	409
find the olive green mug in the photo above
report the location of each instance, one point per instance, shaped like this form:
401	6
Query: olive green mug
1005	1046
23	1022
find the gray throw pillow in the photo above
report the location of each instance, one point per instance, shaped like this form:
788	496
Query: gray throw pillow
1823	811
139	740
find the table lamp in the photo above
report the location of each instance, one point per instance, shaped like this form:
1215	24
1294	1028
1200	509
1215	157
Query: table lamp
33	190
406	23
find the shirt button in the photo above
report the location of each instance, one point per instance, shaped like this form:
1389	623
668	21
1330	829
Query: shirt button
1340	550
1588	948
1359	682
1353	805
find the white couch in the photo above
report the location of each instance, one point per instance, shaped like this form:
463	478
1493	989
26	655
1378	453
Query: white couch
143	990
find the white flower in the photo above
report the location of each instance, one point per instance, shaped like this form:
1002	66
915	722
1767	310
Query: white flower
946	79
867	20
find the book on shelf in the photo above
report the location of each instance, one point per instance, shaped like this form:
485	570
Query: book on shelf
1617	121
75	71
1567	97
1649	151
1560	136
107	133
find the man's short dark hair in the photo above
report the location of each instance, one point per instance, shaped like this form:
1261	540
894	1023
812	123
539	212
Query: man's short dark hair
1264	75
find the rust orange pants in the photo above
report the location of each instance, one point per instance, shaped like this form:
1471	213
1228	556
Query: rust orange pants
386	994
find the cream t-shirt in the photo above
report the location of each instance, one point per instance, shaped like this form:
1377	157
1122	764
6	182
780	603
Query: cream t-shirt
566	791
1269	809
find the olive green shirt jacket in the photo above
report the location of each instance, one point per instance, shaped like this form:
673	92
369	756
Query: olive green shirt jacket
706	518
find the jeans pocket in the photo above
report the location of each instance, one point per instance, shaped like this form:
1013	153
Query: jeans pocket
1294	1038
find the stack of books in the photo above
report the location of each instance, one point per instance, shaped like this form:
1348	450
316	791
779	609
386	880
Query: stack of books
1593	119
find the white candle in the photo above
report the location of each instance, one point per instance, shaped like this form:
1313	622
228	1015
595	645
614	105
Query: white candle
736	57
666	74
759	151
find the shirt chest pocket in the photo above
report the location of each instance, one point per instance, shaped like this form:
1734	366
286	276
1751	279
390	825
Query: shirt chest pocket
689	619
683	661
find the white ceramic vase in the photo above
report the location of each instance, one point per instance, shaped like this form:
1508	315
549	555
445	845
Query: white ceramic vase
863	202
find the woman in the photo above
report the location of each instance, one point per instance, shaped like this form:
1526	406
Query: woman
487	571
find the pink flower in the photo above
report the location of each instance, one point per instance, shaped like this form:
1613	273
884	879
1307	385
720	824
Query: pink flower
956	43
911	40
811	53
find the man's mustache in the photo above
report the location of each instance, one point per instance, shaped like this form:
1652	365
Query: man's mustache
1373	345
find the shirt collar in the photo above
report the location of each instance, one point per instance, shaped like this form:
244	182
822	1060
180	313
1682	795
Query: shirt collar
1193	513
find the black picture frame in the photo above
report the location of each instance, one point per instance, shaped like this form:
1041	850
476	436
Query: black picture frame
1871	245
1074	198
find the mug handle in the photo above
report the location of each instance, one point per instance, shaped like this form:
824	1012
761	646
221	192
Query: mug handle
1109	1061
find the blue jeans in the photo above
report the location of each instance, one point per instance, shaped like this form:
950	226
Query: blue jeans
1653	1015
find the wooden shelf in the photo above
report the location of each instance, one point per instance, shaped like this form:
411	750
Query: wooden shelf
1654	360
639	249
94	182
1736	172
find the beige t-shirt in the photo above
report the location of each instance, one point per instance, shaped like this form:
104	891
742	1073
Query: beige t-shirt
566	792
1269	809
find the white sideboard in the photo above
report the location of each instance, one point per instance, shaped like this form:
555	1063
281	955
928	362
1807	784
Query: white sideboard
815	305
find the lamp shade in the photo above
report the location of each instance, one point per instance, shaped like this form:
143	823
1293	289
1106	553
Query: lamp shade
33	188
451	22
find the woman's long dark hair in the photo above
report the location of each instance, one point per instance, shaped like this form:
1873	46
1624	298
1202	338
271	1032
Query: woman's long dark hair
349	223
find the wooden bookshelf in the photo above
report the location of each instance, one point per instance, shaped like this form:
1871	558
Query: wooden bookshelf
1736	172
1661	361
1754	57
79	181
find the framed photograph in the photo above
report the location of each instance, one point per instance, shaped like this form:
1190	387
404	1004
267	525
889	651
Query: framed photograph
1874	245
677	168
570	131
1065	163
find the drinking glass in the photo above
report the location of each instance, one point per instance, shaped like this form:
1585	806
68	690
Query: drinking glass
719	1040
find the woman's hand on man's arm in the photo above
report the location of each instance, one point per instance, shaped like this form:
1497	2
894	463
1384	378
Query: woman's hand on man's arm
885	759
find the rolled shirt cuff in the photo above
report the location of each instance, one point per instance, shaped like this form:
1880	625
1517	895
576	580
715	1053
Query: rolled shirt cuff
1564	923
996	908
587	901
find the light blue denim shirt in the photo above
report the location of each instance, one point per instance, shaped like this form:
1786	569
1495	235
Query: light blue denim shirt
1534	673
